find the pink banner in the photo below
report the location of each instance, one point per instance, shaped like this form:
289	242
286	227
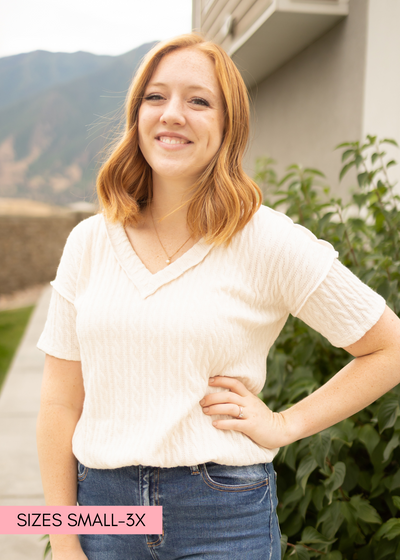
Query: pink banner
80	520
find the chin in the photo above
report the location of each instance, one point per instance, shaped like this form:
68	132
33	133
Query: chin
175	173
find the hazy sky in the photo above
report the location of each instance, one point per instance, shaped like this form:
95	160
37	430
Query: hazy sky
98	26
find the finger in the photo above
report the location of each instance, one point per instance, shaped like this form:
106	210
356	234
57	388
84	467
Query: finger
237	425
222	397
227	409
230	383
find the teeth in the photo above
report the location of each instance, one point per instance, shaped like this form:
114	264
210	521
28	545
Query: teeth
169	140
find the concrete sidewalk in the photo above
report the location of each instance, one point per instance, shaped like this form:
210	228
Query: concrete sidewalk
20	482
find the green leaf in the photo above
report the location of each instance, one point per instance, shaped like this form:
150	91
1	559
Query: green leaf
363	178
340	230
376	479
314	172
335	480
285	178
391	163
395	481
312	536
299	553
284	540
292	525
364	510
379	223
349	515
338	434
384	290
346	154
396	501
390	141
374	157
359	160
47	550
326	218
372	197
307	465
290	456
377	460
385	550
331	518
360	199
393	443
388	412
293	494
389	530
369	437
319	447
318	497
305	501
346	168
364	480
344	145
334	555
302	386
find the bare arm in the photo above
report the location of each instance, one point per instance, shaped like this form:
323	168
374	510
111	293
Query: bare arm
373	373
60	409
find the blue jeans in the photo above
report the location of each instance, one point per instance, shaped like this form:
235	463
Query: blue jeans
210	511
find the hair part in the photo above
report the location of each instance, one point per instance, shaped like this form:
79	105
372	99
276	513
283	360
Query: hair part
224	197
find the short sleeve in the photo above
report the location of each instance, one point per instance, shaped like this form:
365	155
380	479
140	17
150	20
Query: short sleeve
342	308
68	270
59	337
291	261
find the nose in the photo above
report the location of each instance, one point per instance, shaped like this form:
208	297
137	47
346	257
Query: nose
173	112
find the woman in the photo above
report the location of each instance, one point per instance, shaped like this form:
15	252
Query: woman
163	312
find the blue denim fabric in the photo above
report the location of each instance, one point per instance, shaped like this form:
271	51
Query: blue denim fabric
210	512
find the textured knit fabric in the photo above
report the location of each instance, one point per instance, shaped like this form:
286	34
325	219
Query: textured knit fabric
148	343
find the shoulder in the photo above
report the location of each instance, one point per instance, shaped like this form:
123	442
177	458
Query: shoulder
88	225
74	259
274	228
85	230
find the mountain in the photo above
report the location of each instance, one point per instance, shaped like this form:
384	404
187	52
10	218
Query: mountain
23	75
51	142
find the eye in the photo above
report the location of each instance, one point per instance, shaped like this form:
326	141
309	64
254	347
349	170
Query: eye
153	97
200	101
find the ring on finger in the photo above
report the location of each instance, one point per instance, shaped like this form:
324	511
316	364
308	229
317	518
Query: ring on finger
240	412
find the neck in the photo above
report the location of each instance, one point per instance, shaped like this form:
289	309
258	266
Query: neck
170	198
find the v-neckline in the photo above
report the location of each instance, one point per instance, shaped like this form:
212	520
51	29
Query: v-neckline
145	281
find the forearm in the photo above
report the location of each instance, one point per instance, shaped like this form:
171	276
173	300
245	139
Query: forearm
58	466
354	387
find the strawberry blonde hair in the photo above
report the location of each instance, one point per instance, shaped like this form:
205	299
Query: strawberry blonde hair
224	198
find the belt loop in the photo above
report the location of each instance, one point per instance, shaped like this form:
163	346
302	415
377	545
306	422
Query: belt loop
194	469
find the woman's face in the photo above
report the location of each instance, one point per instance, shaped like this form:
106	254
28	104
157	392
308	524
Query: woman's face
181	118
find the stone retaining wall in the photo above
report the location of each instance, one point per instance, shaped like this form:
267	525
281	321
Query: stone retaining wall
31	248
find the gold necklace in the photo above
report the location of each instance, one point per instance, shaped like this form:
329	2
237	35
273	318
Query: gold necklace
168	257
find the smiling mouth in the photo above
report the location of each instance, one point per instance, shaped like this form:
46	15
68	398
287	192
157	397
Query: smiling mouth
170	140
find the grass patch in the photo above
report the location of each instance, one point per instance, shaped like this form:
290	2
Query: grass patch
12	326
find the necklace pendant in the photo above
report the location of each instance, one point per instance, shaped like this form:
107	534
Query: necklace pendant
167	261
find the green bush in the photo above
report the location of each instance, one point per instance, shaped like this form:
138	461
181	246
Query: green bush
12	326
339	490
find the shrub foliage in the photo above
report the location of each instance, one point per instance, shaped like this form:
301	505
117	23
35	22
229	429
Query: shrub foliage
339	490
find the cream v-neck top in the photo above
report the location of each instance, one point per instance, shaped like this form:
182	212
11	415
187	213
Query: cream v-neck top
148	343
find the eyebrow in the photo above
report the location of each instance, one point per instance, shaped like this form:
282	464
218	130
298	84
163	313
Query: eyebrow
194	86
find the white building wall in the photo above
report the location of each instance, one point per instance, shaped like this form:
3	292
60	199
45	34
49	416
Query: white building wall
315	101
381	113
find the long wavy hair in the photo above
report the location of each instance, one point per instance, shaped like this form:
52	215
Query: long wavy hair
224	198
